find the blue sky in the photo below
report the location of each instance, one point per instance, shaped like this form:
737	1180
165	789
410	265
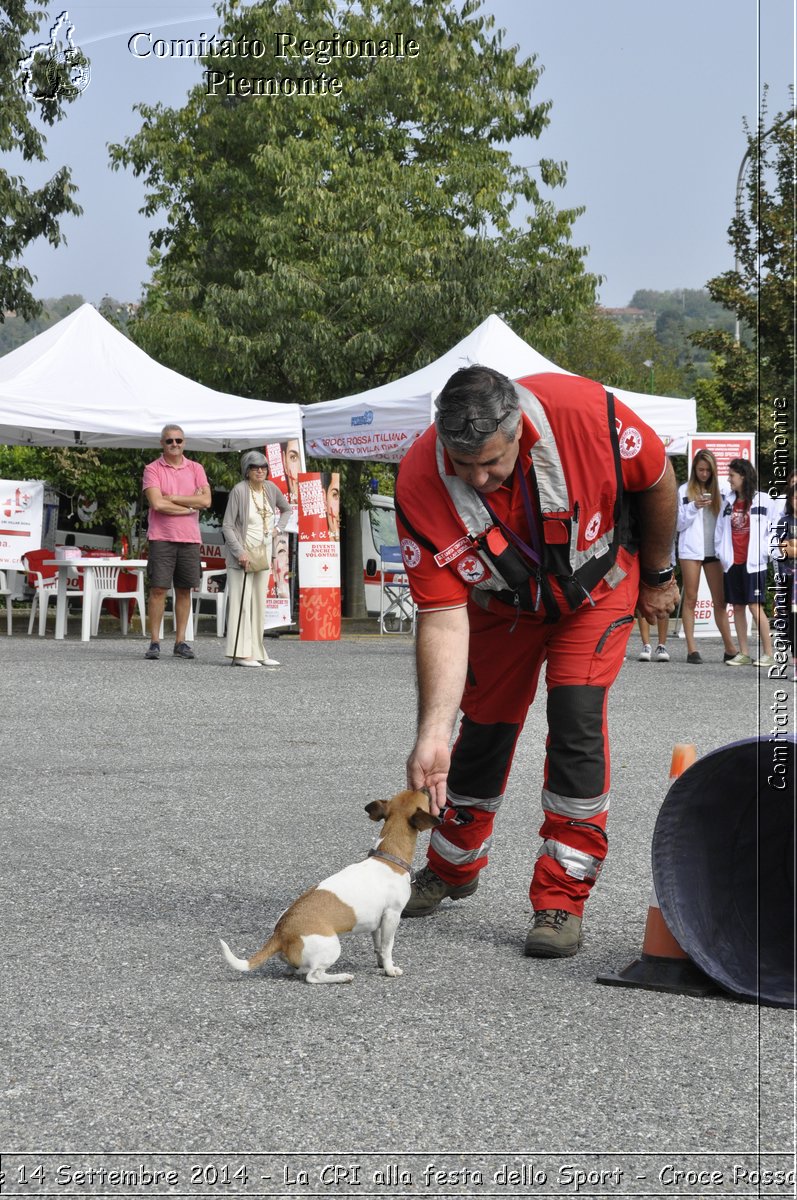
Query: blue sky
648	101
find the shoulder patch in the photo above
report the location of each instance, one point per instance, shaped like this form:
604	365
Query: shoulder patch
410	552
471	568
630	442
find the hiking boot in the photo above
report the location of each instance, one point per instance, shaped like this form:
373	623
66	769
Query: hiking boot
429	889
183	650
154	650
554	934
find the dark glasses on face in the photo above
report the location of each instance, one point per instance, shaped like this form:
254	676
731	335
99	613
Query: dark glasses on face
173	441
454	424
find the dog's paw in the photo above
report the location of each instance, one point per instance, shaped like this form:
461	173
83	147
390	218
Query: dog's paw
393	971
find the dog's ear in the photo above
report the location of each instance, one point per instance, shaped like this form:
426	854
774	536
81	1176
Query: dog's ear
421	819
377	810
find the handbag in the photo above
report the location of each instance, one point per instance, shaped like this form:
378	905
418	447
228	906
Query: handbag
258	559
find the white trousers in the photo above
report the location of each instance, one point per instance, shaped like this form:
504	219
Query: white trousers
252	617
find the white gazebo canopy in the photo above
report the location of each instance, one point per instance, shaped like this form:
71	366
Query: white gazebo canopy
381	424
83	383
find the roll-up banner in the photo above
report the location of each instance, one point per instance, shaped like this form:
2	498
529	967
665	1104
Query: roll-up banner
319	556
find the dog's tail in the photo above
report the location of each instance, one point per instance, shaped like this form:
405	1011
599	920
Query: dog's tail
257	960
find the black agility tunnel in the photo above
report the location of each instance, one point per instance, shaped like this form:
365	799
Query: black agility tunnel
723	867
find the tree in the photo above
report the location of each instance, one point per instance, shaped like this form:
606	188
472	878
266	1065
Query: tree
39	82
755	381
320	245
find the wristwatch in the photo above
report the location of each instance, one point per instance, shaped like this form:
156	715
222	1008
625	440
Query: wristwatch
656	578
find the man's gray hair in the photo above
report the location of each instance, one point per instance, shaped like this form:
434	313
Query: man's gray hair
476	393
167	429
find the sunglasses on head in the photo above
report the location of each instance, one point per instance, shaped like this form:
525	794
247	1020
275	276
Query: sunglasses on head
173	441
454	424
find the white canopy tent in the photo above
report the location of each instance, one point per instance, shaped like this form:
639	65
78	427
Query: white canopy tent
83	383
381	424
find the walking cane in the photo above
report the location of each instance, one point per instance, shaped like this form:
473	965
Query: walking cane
240	614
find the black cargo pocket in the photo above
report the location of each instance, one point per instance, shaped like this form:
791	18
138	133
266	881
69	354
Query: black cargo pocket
607	633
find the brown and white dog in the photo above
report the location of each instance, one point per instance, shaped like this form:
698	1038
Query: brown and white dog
368	895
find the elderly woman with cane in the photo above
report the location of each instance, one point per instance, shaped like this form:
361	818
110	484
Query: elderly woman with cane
249	524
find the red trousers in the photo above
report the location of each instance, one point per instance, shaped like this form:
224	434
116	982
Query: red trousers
583	652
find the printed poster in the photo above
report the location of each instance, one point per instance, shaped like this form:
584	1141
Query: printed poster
21	517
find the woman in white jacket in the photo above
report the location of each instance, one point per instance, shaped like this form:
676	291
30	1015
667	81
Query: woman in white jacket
742	543
249	524
699	505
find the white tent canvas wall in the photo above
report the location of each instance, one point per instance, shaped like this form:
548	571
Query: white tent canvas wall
83	383
382	423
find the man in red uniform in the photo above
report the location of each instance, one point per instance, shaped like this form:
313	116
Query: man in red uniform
534	518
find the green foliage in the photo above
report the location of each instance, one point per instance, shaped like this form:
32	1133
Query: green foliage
753	375
29	213
16	330
335	243
111	477
595	345
318	246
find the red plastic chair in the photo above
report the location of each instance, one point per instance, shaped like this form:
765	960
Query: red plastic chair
44	581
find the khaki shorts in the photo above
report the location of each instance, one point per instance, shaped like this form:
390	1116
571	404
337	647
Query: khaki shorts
174	564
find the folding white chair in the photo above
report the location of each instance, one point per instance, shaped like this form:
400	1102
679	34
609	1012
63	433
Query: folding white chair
7	590
106	587
396	606
209	590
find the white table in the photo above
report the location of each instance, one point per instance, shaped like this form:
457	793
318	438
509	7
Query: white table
86	568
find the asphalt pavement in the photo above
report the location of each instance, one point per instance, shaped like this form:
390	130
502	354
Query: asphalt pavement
151	808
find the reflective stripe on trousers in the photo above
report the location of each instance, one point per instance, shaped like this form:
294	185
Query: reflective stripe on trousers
583	652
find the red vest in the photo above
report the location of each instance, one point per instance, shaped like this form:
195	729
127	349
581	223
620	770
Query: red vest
575	484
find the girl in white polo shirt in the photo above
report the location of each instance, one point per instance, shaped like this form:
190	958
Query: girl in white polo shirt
699	503
742	543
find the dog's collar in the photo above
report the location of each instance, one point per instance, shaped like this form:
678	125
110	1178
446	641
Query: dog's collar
390	858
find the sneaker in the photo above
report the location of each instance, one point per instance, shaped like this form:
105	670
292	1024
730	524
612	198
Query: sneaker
727	656
660	654
246	662
429	889
154	650
183	650
739	660
554	934
695	658
269	662
644	654
766	660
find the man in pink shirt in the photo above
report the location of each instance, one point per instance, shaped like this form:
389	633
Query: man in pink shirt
177	490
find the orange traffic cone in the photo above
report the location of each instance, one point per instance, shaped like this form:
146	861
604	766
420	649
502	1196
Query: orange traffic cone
663	966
